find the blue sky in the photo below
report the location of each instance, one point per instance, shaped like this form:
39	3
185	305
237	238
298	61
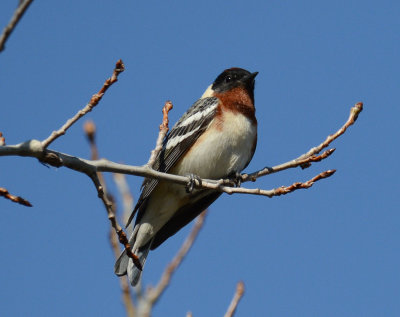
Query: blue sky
332	250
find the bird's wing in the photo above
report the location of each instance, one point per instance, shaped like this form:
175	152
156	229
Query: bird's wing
198	203
177	142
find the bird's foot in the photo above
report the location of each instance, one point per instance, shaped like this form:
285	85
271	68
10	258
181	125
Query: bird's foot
236	178
192	182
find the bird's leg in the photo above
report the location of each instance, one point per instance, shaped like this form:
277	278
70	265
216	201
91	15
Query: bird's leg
192	182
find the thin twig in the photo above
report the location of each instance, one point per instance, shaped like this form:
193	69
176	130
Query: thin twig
127	199
235	300
127	202
16	199
154	294
113	220
305	159
163	130
119	68
90	131
283	190
123	281
18	13
161	135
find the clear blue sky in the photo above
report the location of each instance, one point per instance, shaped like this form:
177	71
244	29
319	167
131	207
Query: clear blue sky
332	250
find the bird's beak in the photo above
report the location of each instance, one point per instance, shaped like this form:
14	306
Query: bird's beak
253	75
250	78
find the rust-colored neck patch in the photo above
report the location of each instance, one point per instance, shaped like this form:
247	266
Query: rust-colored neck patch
238	100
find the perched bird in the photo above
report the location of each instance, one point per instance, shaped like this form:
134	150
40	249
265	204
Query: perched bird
216	138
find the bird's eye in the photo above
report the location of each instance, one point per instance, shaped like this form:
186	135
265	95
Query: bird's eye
228	78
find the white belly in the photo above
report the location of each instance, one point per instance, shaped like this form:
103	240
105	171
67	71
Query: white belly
221	150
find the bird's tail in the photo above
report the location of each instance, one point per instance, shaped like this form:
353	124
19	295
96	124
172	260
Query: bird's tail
124	265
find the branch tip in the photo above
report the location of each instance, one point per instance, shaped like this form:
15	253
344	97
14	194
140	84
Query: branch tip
356	110
283	190
16	199
305	160
165	110
89	128
161	135
240	288
235	300
119	66
94	100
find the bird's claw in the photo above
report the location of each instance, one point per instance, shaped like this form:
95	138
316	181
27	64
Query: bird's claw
236	178
192	182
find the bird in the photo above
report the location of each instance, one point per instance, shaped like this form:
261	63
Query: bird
214	139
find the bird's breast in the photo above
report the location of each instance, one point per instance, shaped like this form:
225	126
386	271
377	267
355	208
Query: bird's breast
225	147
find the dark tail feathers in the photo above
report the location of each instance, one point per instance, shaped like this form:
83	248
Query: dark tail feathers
124	265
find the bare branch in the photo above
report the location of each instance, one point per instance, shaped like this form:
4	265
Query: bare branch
34	148
114	223
119	68
88	167
127	199
163	131
4	193
124	284
90	130
96	177
235	300
154	294
19	12
305	159
283	190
